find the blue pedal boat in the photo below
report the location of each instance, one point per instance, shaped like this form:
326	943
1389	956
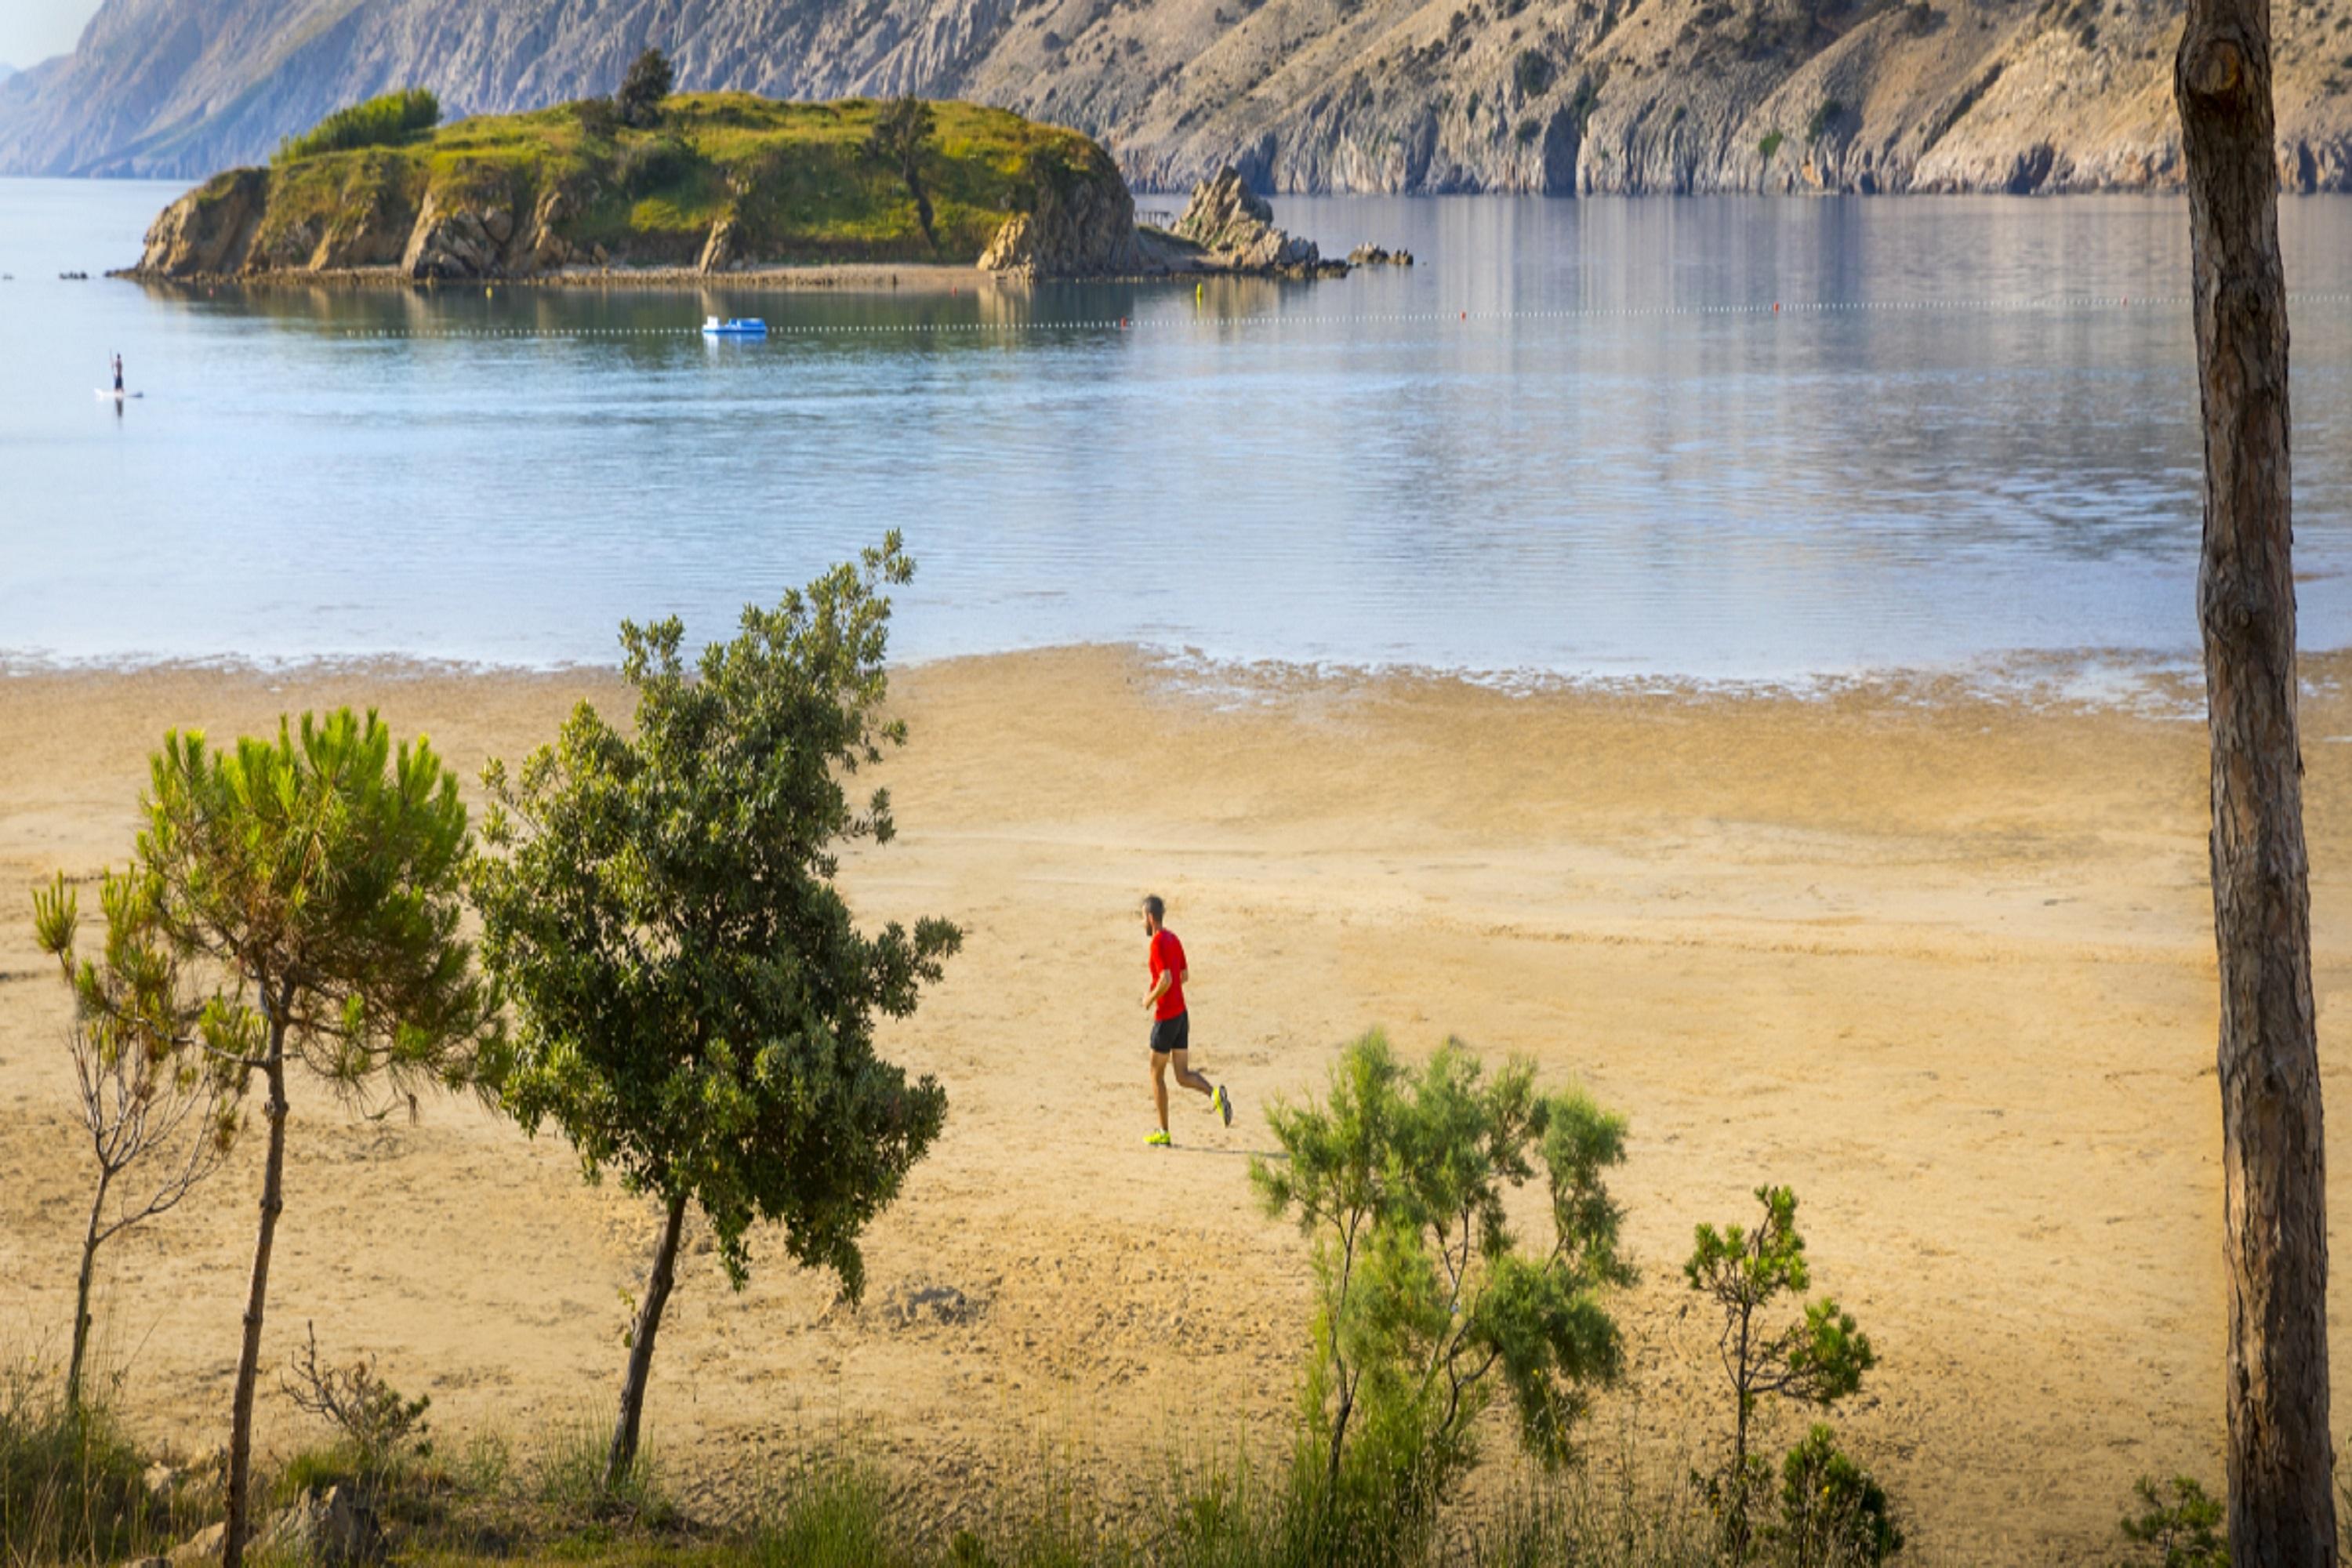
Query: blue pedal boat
734	327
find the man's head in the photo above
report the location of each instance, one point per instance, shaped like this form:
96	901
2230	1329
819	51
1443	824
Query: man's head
1155	913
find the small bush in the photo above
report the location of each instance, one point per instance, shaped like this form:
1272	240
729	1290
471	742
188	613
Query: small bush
1825	119
1832	1513
598	117
659	164
379	122
2184	1531
1533	73
1769	144
381	1430
1527	132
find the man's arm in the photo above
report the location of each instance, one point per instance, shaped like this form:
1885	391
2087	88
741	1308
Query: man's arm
1159	986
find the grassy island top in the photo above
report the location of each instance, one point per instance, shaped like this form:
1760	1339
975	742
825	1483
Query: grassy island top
800	180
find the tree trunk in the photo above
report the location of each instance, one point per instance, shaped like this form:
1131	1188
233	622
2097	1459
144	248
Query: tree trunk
641	1347
2282	1511
248	1360
82	1293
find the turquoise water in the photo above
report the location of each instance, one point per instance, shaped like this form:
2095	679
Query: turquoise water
1576	438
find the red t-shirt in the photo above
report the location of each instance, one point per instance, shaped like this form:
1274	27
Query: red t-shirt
1167	955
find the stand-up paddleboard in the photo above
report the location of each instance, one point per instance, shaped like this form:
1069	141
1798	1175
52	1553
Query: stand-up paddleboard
117	396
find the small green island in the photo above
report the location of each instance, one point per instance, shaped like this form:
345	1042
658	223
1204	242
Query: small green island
698	184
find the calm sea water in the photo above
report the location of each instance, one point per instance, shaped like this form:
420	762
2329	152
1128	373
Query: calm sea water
1621	462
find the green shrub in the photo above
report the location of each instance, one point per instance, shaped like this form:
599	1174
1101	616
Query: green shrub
1527	132
1532	73
598	118
1826	118
1426	1309
1816	1358
1769	144
1833	1514
382	121
73	1486
658	163
2183	1531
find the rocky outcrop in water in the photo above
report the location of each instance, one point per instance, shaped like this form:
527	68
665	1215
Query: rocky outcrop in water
1558	96
1234	230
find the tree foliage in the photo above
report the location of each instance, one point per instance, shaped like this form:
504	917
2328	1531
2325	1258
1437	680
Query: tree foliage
1817	1358
296	902
158	1117
696	1007
902	133
649	81
1426	1306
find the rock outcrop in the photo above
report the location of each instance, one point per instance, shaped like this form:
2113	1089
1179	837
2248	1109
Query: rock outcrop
1234	230
211	228
1557	96
1086	232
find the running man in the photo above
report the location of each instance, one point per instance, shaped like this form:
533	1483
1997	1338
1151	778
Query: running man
1172	1026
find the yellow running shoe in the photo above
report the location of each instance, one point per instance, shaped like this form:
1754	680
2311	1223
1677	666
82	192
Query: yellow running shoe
1161	1141
1221	1103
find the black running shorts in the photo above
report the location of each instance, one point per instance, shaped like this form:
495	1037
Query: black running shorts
1172	1034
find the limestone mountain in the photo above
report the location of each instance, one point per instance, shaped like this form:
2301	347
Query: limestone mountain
1353	95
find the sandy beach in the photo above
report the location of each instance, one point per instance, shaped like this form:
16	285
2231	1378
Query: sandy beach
1940	961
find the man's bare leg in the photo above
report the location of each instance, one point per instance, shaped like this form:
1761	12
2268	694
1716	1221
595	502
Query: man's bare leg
1185	1076
1159	1085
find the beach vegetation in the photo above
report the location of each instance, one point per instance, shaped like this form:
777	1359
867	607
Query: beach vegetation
1818	1357
2177	1525
901	138
378	1429
1427	1307
300	906
1834	1512
384	121
694	1005
158	1114
74	1486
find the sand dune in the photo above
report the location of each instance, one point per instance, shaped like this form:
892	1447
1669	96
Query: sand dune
1940	961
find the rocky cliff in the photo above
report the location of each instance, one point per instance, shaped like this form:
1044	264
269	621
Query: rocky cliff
1366	95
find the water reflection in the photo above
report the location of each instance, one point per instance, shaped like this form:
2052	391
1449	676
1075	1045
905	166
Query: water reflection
1575	437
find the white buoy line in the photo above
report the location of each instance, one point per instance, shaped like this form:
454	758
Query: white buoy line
2047	303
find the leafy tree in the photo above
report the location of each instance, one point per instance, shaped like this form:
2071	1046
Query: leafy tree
150	1102
2183	1531
1817	1359
1426	1306
697	1008
902	133
648	83
298	906
1833	1514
